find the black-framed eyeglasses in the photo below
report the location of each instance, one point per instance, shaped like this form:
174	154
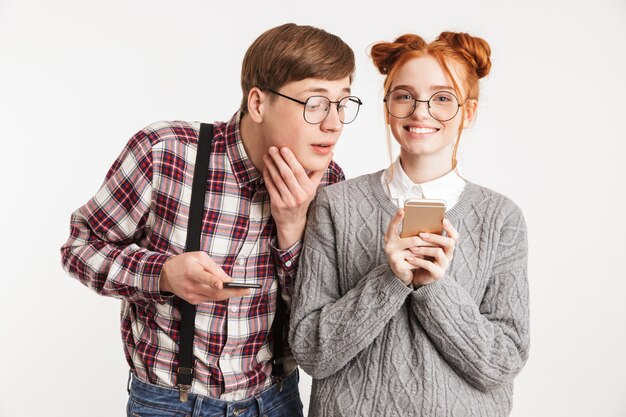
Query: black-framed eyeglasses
316	108
442	106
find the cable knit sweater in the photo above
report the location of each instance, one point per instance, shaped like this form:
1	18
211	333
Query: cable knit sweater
376	347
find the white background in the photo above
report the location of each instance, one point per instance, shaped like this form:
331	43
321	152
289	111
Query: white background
78	78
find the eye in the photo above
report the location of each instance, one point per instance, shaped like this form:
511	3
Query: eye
402	96
317	103
443	98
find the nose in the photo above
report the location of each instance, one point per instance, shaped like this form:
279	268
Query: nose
421	109
332	123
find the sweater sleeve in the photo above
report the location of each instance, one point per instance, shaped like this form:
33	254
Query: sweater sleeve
329	328
486	343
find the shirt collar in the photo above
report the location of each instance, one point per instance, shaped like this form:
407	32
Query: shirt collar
241	165
402	188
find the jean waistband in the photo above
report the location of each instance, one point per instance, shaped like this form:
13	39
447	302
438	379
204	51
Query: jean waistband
168	398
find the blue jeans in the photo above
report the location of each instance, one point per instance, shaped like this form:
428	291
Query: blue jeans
147	400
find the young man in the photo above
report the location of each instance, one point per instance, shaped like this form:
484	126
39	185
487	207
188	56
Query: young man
264	168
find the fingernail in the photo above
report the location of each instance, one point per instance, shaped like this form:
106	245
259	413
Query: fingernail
273	150
424	235
285	151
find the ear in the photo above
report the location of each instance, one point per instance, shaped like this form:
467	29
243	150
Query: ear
470	107
257	101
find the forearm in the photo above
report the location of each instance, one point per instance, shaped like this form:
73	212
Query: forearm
328	330
487	350
120	270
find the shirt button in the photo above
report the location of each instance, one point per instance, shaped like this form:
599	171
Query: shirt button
288	264
234	309
227	356
416	189
241	262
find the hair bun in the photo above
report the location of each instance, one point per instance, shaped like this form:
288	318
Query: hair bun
385	54
475	50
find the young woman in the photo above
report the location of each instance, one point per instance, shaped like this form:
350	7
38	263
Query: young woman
431	325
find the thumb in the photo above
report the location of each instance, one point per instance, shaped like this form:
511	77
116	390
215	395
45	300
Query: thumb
211	267
392	229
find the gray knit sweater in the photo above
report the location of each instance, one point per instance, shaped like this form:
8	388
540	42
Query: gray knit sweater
376	347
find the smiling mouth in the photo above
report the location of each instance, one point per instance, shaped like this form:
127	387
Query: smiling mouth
421	130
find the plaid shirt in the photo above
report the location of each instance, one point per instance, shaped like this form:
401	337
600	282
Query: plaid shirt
120	239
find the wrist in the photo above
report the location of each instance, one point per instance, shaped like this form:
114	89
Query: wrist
288	236
163	284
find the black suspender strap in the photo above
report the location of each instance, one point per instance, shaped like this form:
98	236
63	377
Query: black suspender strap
278	365
184	375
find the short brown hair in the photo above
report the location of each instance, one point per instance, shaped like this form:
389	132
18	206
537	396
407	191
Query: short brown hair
292	53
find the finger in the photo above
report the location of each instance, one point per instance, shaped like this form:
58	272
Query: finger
209	265
445	242
437	240
415	251
434	270
296	168
271	187
286	172
450	230
282	188
216	271
433	252
392	229
236	292
413	241
211	294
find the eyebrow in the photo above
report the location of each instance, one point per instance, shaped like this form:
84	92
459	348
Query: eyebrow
432	88
323	90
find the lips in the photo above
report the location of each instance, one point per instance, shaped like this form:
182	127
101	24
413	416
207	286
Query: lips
323	148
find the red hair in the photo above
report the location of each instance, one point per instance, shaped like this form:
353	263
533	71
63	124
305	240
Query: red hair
470	54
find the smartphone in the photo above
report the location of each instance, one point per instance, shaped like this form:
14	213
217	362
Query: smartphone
423	216
240	284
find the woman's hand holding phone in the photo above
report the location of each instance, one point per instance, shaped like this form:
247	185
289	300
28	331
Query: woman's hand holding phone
398	249
421	259
431	262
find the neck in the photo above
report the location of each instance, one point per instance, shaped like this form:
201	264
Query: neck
253	142
425	168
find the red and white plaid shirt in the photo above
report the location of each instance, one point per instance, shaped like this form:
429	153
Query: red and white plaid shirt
121	238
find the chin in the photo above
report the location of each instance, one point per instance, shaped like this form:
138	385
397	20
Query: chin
313	164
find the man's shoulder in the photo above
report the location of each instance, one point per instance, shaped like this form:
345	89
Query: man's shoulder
162	131
174	130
